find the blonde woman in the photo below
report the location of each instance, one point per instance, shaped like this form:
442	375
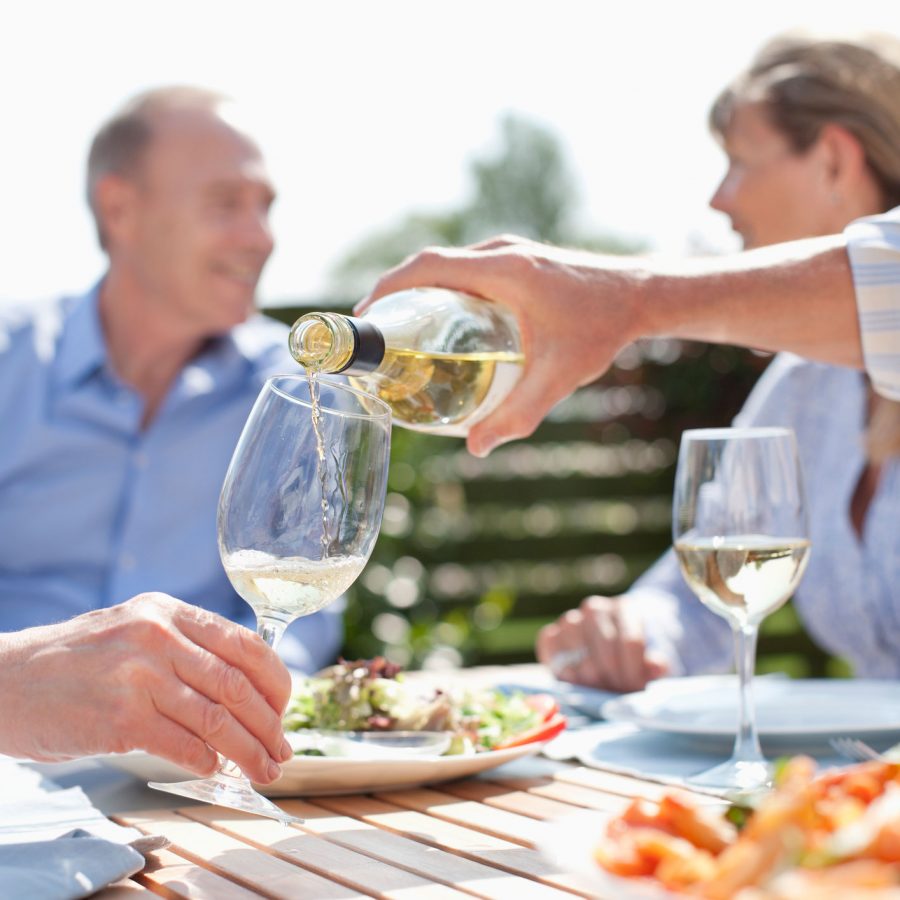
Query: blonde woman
812	135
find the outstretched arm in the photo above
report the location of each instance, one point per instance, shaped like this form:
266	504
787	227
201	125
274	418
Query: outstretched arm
577	310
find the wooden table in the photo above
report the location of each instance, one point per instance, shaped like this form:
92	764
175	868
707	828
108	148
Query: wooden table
470	838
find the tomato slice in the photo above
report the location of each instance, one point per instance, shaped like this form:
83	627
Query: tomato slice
544	705
548	729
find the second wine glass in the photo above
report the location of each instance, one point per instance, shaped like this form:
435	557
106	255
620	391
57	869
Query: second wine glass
298	517
742	542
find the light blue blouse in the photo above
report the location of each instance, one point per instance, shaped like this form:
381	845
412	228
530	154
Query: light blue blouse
849	597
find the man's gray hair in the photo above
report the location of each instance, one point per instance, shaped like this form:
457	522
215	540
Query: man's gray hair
119	145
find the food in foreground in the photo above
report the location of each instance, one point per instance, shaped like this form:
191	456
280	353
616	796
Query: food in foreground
373	695
835	835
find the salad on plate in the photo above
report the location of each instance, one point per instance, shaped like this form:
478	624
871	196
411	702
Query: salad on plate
376	696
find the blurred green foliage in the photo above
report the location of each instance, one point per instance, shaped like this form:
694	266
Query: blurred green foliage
476	555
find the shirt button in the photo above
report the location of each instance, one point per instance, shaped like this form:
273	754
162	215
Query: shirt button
127	562
140	460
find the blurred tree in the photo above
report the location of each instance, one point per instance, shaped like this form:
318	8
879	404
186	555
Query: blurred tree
526	187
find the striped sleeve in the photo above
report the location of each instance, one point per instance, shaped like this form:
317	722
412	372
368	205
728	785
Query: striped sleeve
873	245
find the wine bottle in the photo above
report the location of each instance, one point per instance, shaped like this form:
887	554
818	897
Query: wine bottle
442	360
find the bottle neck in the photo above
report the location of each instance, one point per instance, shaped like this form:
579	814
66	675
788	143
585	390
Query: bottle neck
331	343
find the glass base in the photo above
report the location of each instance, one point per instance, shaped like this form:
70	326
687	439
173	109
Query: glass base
225	790
737	776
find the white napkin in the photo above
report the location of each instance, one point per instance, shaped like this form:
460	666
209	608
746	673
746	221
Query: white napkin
48	814
55	845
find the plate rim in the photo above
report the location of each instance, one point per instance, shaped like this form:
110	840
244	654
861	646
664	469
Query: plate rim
420	769
616	710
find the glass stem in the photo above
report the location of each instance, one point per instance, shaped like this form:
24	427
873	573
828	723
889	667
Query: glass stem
230	769
746	744
270	630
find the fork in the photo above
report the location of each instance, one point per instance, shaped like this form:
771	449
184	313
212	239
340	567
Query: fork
857	750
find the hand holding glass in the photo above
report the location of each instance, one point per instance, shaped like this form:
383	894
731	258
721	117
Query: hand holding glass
298	517
742	542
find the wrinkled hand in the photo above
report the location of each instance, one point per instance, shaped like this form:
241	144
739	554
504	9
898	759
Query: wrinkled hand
575	310
151	674
601	644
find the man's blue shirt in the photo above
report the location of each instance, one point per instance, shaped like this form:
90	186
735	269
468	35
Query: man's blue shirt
93	509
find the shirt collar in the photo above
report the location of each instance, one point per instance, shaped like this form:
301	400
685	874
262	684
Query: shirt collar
82	349
218	365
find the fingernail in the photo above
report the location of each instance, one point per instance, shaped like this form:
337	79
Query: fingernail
287	751
274	770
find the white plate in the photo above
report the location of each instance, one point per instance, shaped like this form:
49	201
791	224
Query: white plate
308	776
810	708
569	843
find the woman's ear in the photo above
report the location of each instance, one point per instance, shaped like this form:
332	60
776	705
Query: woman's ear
852	187
843	157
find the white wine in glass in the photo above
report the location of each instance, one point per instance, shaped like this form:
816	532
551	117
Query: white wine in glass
299	514
742	542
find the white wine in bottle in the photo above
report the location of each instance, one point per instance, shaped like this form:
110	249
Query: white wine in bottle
440	359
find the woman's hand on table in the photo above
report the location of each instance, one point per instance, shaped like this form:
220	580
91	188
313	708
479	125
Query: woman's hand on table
601	644
151	674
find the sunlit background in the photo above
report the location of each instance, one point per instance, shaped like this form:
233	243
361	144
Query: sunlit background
393	124
369	111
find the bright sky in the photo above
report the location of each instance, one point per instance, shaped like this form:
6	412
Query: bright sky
367	110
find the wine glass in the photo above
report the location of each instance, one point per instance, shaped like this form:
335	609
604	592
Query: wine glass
742	542
298	516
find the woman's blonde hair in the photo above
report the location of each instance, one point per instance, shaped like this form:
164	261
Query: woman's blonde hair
804	82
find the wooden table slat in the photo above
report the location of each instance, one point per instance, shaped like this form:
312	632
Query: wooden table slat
624	785
517	801
512	857
327	858
124	890
500	823
465	873
236	860
173	876
575	795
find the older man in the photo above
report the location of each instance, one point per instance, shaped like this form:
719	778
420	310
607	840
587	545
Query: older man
121	407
